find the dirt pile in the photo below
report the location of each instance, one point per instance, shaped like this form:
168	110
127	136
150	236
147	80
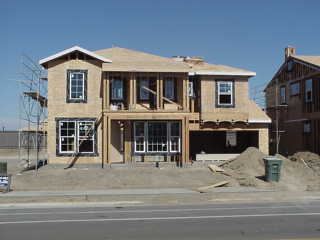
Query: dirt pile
312	160
249	170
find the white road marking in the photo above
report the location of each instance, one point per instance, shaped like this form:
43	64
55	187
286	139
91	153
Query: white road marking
157	210
159	218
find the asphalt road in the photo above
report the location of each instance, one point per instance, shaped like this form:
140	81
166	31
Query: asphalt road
224	221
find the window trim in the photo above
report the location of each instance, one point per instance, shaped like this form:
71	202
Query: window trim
74	137
217	91
69	87
76	152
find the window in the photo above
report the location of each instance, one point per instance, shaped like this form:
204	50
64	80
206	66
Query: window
117	89
169	88
85	137
76	136
308	90
76	87
225	93
307	127
144	94
157	137
282	95
295	89
67	136
174	137
139	137
290	66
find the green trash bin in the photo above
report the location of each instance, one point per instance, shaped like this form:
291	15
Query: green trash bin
272	169
3	168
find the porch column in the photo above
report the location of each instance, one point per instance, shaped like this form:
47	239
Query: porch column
127	141
105	139
161	91
106	92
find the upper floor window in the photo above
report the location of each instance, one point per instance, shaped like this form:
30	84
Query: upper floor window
169	88
76	86
225	93
308	90
283	95
307	126
295	89
143	93
117	89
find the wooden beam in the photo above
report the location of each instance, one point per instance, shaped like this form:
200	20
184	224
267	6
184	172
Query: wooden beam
134	77
127	141
109	140
161	91
107	91
104	139
187	150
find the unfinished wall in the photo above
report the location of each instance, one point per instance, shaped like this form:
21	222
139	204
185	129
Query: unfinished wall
58	107
208	94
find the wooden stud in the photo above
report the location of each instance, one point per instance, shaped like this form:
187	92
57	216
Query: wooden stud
109	140
107	91
105	139
127	141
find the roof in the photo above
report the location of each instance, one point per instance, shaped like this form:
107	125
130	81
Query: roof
130	60
203	68
314	60
249	112
70	50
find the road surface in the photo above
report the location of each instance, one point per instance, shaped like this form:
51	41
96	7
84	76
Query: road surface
299	220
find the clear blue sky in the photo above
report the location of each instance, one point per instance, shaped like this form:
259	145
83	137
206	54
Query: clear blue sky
244	34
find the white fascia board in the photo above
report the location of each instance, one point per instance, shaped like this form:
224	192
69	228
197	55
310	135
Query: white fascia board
251	74
69	50
259	121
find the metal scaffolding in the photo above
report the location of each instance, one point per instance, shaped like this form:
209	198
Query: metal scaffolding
32	112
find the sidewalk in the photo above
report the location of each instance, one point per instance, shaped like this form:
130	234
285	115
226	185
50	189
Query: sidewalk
161	196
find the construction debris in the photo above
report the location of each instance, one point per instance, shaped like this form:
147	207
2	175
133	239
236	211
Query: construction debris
206	188
215	168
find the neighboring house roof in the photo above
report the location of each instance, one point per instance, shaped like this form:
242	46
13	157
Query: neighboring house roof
70	50
311	61
203	68
130	60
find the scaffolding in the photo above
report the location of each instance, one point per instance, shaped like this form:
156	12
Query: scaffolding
32	113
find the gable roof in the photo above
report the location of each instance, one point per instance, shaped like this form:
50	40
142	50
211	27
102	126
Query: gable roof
203	68
70	50
130	60
311	61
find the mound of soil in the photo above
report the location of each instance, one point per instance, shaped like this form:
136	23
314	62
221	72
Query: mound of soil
311	159
249	170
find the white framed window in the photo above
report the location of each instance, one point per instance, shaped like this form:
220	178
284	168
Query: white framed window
307	126
117	89
169	88
295	89
85	139
225	93
139	137
157	137
283	98
67	136
174	128
76	82
308	90
76	136
143	93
